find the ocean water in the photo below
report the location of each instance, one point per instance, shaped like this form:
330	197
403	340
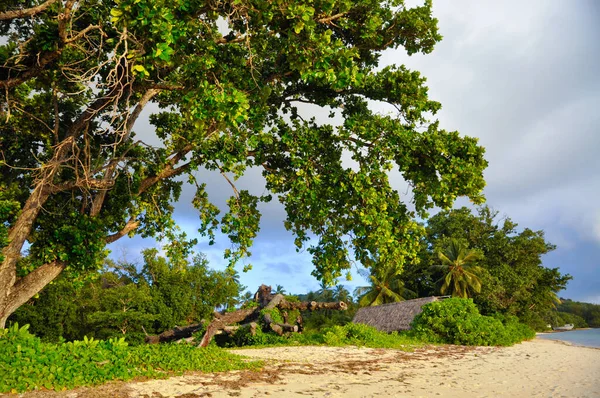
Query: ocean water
587	337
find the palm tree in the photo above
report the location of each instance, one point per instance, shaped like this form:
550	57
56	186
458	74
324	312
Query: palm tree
279	290
459	272
325	293
340	293
385	288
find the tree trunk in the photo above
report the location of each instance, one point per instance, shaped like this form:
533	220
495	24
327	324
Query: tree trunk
265	300
174	334
312	306
27	287
221	321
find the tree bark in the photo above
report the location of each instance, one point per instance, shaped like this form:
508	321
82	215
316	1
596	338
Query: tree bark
174	334
25	12
221	321
312	306
27	287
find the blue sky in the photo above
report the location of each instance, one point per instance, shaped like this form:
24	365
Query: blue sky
521	76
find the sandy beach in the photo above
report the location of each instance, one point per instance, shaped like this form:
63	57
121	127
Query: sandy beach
538	368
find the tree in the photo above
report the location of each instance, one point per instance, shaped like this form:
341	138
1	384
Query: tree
228	77
384	288
513	278
340	293
122	300
460	274
279	290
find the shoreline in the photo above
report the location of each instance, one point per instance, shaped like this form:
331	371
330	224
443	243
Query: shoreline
549	336
538	367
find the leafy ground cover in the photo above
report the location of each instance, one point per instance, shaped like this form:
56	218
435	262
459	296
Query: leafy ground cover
458	321
349	334
27	363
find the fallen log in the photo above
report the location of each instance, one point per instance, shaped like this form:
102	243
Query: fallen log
312	306
230	330
175	334
223	323
222	320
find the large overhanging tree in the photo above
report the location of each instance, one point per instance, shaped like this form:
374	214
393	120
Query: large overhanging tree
227	75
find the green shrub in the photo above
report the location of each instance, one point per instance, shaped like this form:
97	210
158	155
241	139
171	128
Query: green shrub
242	337
27	363
457	321
367	336
274	313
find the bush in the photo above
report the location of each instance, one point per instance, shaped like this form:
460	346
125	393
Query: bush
26	363
367	336
242	337
457	321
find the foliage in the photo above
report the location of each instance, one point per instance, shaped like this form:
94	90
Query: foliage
26	363
589	312
274	313
242	337
123	301
76	77
513	279
320	319
457	321
563	318
367	336
386	287
349	334
459	273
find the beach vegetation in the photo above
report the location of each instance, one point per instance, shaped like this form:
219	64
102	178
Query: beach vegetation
564	318
512	276
588	311
386	287
27	363
458	321
223	82
129	300
460	275
350	334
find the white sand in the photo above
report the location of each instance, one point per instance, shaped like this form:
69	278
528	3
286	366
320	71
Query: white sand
538	368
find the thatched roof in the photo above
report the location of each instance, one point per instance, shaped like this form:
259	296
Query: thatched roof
394	316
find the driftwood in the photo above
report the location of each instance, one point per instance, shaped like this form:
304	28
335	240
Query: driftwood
246	318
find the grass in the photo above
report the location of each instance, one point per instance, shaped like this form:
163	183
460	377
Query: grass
27	363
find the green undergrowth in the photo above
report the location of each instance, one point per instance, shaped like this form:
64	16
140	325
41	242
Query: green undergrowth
27	363
458	321
348	335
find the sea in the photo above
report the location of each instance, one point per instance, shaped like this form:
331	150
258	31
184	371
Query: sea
585	337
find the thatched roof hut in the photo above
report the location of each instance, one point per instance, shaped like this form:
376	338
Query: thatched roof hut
394	316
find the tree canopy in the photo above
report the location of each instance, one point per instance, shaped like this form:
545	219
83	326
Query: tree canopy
513	278
227	77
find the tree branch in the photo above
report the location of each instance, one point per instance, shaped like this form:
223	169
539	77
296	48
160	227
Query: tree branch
31	284
331	18
131	225
109	173
27	12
